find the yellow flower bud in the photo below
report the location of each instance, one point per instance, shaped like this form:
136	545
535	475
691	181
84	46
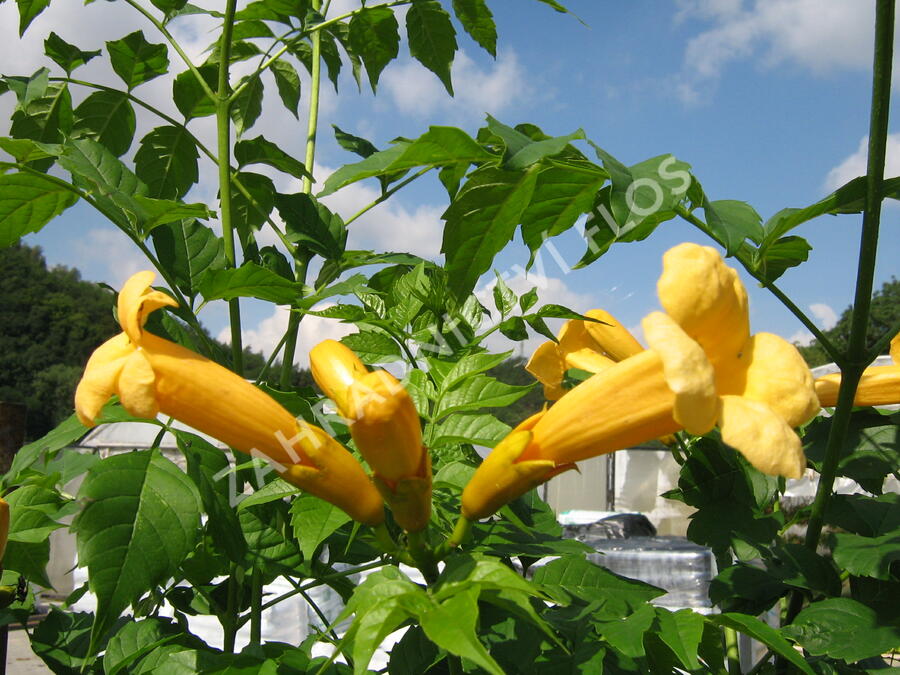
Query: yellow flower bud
334	368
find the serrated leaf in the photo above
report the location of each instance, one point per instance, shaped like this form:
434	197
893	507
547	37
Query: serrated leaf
351	143
372	347
758	630
44	112
843	629
250	281
310	224
484	430
66	55
609	593
29	11
867	556
470	365
247	105
270	542
72	629
479	392
135	639
27	203
252	209
375	36
189	95
26	150
167	162
260	151
130	499
432	38
732	221
476	18
514	328
65	434
481	221
137	61
528	299
504	298
682	632
287	81
33	514
314	520
108	117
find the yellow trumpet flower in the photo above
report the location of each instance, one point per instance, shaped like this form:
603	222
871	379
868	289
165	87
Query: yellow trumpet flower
585	345
153	375
879	385
702	369
385	427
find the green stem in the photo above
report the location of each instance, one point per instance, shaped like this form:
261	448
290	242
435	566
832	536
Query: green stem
223	133
301	263
856	352
387	194
732	653
458	536
172	41
256	591
881	345
423	556
230	622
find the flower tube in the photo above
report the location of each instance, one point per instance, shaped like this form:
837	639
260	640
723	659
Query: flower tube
702	369
879	385
586	345
385	427
153	375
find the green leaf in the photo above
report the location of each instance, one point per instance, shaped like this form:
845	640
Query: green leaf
189	95
745	588
860	514
137	61
375	36
484	430
168	6
188	250
514	328
260	151
481	221
797	566
44	112
312	225
287	81
249	281
275	491
270	541
842	629
432	38
108	117
779	256
504	298
451	625
372	347
66	55
65	434
25	150
476	18
732	222
560	197
314	520
33	516
758	630
27	203
354	144
479	392
206	464
470	365
626	634
167	162
129	500
247	105
608	593
682	631
252	214
136	639
867	556
62	640
522	151
28	12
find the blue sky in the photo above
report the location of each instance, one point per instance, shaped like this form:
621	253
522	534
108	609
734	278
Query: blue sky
767	100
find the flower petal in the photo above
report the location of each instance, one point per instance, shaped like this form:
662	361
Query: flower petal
879	385
547	366
771	370
589	360
137	386
334	368
895	349
626	404
762	436
385	425
706	298
137	300
615	340
101	375
501	478
688	373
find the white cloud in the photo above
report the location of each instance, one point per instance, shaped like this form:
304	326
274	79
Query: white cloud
826	316
855	165
269	331
802	338
108	255
815	35
417	92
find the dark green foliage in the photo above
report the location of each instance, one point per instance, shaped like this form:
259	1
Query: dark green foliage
512	371
884	316
50	322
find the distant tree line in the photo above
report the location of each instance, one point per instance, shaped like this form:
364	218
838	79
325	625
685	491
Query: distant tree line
884	316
